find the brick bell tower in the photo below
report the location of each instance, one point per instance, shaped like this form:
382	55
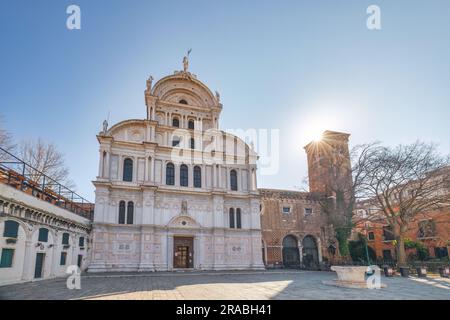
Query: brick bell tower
329	167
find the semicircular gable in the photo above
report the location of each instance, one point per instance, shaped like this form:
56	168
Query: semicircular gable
183	221
181	86
129	130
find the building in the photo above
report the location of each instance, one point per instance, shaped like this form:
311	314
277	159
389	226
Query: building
297	232
44	227
430	228
174	191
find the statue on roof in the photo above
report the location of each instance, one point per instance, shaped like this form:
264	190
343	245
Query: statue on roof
149	83
105	126
218	96
186	61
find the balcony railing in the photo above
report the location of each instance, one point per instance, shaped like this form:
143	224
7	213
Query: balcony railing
20	175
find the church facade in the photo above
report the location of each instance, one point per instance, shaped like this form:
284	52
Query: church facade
174	191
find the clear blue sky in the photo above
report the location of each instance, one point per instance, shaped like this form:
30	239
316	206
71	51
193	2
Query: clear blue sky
297	66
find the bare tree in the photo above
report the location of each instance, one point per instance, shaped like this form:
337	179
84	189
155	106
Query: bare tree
6	141
402	183
47	160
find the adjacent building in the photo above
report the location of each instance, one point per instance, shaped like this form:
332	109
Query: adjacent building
44	227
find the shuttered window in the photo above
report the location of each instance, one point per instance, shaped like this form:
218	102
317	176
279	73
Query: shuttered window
11	229
62	261
65	239
6	259
43	235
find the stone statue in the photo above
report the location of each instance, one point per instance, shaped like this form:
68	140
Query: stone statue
149	83
105	126
218	96
184	207
185	63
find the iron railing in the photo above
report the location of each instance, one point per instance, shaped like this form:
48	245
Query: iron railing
20	175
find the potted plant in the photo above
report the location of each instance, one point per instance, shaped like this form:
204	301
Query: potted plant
404	271
421	272
444	272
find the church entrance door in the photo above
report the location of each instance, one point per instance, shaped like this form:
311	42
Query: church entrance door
183	252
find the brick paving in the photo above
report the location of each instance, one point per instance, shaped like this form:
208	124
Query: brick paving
241	285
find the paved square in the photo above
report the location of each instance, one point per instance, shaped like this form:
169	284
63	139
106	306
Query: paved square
242	285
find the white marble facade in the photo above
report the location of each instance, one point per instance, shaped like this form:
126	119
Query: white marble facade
194	207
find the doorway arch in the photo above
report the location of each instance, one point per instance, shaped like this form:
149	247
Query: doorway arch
310	253
291	255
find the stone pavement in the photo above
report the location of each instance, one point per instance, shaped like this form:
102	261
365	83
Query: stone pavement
241	285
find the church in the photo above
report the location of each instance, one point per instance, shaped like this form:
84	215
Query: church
173	191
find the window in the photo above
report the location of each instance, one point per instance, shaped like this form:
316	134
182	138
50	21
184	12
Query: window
308	211
175	122
62	260
197	177
184	175
11	229
81	242
441	252
170	174
182	101
130	212
7	258
175	142
231	218
122	212
371	236
388	234
233	180
192	143
286	210
128	170
387	255
238	218
65	238
191	124
43	235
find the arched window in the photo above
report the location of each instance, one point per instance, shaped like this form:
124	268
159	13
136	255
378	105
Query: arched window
175	141
197	177
192	143
65	239
128	170
233	180
231	217
175	122
191	124
43	235
182	101
184	180
170	174
11	229
122	212
238	218
130	212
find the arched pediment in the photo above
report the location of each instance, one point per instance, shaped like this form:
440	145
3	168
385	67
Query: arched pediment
179	87
183	221
129	130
